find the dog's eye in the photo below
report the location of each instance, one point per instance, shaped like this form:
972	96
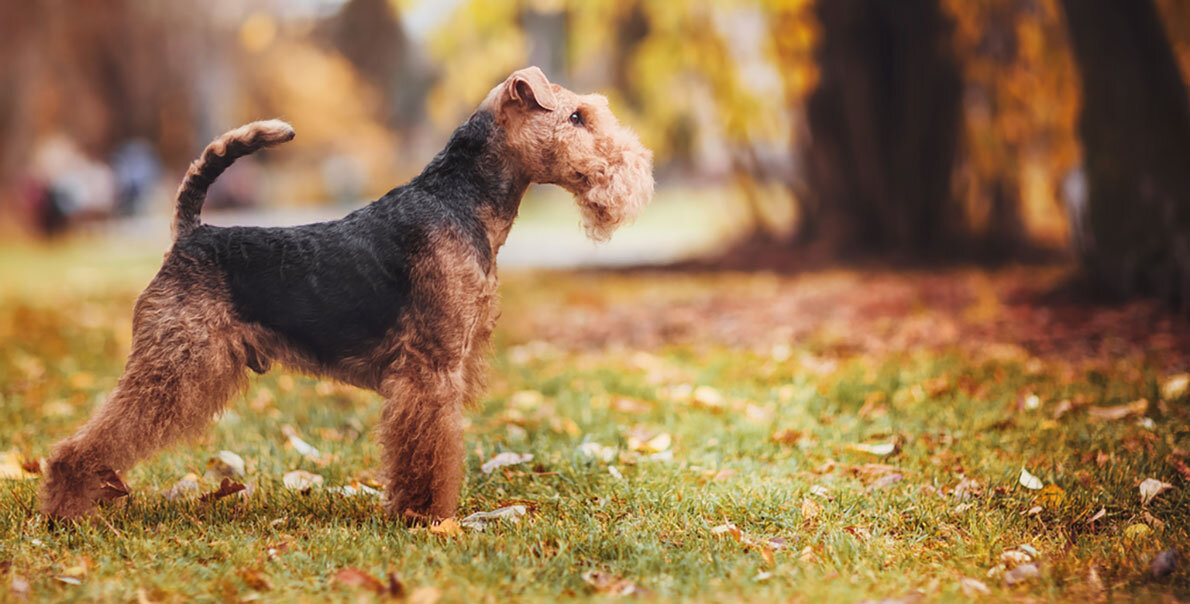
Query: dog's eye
576	118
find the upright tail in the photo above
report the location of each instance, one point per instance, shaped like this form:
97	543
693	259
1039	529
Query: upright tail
214	160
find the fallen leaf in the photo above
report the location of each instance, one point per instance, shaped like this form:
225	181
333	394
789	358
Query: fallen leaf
808	556
479	520
186	487
724	474
1015	557
879	449
705	396
728	529
1030	481
1152	521
1051	496
227	487
301	480
611	584
810	509
820	491
1151	488
1098	515
615	472
12	468
303	448
886	481
224	464
593	450
1137	532
787	436
256	579
973	587
1021	574
1136	407
447	528
354	577
1175	386
507	458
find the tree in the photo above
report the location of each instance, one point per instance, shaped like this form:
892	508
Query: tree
1135	128
883	126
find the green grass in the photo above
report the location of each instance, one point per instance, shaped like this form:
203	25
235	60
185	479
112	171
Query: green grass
953	415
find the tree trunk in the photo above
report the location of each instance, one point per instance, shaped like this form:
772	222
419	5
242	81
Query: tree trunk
1135	127
884	127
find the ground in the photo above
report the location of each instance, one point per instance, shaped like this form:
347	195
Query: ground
834	436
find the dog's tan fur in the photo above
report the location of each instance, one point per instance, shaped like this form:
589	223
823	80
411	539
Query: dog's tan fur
190	353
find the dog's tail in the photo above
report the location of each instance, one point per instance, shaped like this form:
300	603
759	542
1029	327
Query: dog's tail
214	160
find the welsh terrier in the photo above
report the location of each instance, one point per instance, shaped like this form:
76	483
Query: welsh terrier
398	297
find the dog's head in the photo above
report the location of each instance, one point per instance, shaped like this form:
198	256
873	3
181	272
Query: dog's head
558	137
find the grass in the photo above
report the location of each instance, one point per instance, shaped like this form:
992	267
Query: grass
752	430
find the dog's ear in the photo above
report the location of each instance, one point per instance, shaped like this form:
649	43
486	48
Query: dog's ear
530	87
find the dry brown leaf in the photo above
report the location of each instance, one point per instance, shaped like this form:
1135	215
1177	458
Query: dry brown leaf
354	577
256	579
226	487
1137	407
787	436
611	584
1151	488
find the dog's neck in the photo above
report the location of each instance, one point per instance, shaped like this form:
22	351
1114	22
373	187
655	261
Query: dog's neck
476	165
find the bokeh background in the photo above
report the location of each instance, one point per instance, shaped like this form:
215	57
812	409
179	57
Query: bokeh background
788	133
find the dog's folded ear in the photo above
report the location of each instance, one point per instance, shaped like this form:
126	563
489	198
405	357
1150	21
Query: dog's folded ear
530	87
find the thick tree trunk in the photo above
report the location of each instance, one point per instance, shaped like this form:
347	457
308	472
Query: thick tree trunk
884	127
1135	128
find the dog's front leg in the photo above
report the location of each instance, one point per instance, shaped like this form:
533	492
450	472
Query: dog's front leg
422	434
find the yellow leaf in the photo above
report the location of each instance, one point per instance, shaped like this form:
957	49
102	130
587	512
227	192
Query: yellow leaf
447	528
1137	531
1051	496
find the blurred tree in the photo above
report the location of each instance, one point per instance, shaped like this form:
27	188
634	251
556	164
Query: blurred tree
1135	127
1019	110
370	35
883	128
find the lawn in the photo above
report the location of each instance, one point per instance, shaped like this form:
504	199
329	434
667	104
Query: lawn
834	436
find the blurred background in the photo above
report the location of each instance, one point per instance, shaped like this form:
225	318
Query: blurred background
789	134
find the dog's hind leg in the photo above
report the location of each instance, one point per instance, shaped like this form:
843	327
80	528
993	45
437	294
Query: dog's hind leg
184	365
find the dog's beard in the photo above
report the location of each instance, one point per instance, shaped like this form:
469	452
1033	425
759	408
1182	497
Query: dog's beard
617	195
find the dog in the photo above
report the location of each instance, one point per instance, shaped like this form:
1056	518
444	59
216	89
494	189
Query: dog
399	297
